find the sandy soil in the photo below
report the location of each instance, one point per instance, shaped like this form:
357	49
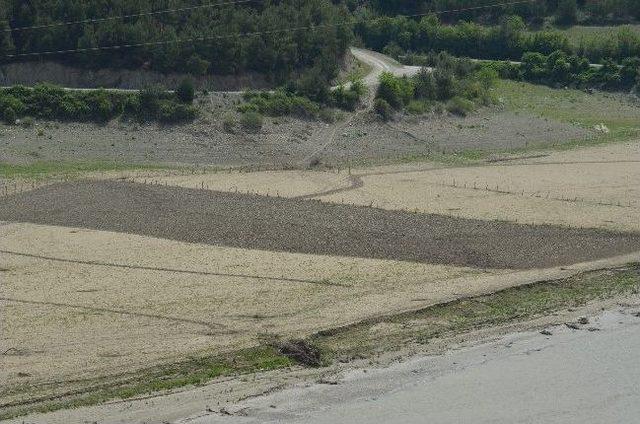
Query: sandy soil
594	187
263	391
79	303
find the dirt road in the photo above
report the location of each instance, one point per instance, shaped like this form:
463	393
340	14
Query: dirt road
517	379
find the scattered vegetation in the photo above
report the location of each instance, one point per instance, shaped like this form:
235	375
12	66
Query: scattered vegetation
506	306
359	341
294	101
459	83
48	101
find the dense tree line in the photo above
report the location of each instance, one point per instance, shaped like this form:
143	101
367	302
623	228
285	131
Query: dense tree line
278	54
508	40
559	69
563	11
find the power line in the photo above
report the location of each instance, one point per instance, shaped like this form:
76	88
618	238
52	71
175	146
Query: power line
134	15
250	34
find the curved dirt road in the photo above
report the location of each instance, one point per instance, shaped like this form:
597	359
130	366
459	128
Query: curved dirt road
381	63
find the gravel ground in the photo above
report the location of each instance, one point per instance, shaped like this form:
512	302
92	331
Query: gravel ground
276	224
283	142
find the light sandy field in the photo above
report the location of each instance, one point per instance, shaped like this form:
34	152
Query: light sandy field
595	187
79	303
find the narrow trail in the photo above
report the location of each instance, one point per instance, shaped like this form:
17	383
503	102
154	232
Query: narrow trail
379	64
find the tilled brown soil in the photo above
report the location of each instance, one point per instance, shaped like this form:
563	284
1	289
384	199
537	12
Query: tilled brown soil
276	224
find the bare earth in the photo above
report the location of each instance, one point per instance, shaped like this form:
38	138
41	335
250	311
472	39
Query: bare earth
594	187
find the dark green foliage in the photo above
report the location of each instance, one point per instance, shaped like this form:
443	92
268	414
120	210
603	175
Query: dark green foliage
251	121
458	82
48	101
592	11
404	37
274	52
397	92
460	106
383	109
185	91
561	69
567	13
348	98
279	103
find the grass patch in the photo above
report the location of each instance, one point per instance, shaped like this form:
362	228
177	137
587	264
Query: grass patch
39	170
360	340
193	372
617	111
578	34
506	306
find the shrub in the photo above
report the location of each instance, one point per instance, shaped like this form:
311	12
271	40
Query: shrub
9	115
425	85
383	109
149	100
567	12
251	121
394	90
460	106
185	91
172	112
27	122
418	107
445	83
197	66
328	115
229	123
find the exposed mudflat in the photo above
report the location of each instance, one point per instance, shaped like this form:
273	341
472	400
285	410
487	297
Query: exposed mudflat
303	226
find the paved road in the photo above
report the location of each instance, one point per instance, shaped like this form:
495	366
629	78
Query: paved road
572	376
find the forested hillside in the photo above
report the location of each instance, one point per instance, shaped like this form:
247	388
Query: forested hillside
566	11
281	38
273	52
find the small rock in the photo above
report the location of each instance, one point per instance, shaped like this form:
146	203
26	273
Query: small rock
592	329
583	320
546	333
572	325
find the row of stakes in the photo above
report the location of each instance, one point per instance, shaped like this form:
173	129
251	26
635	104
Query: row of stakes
16	188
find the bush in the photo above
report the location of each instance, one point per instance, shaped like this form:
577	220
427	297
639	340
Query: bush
394	90
345	98
328	115
197	66
418	107
149	100
172	112
251	121
229	123
9	115
460	106
445	83
567	12
185	91
51	102
383	109
425	85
